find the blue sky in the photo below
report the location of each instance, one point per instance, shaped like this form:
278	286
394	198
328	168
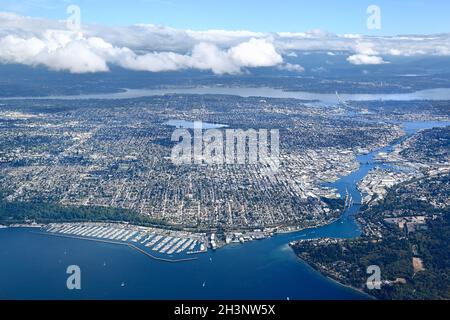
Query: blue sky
343	16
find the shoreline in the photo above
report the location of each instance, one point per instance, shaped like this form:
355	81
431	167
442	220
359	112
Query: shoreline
283	231
336	281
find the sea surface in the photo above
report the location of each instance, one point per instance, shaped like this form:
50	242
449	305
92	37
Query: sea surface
33	265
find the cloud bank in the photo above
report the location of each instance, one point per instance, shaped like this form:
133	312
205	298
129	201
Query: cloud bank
75	52
365	54
94	48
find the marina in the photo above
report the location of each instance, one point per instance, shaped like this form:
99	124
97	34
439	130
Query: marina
242	91
161	243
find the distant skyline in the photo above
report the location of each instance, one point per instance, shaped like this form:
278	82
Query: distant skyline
341	17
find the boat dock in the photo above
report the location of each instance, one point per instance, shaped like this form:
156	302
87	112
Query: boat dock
161	242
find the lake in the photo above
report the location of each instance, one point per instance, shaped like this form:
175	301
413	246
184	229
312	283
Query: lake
266	92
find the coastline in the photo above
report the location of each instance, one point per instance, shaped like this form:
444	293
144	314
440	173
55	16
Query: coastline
283	231
331	278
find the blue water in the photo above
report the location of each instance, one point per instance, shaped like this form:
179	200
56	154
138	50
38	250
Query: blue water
32	265
329	98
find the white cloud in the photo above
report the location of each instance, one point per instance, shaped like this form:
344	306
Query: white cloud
365	48
255	53
17	50
152	48
291	67
57	50
359	59
71	51
204	56
77	56
365	54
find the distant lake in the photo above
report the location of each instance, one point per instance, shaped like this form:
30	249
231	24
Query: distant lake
266	92
190	125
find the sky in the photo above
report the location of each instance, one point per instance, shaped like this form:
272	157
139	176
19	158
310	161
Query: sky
343	16
223	37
